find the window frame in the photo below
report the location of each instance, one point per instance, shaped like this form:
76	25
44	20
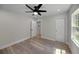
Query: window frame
72	26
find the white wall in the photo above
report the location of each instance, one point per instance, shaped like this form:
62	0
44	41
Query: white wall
13	27
72	45
49	27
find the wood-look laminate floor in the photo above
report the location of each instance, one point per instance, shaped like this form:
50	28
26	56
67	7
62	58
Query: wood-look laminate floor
37	46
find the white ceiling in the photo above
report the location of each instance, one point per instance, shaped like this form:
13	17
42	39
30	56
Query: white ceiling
51	8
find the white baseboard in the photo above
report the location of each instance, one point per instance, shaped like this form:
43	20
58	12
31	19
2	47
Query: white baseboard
12	43
48	38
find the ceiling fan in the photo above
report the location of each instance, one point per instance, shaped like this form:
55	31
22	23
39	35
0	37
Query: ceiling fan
36	10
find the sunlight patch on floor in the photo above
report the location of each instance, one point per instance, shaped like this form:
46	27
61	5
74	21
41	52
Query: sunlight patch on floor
60	51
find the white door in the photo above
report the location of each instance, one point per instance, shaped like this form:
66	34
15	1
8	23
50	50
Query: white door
33	28
60	30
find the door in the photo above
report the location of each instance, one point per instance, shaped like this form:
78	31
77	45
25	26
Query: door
33	28
60	30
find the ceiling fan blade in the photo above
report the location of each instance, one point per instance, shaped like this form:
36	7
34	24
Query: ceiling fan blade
39	13
42	11
29	11
39	6
29	7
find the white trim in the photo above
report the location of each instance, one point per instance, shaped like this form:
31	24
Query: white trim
48	38
73	38
12	43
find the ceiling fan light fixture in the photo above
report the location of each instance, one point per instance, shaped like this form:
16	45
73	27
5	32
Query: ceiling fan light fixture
36	10
35	13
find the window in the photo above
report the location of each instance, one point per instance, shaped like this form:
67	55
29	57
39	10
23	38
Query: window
75	27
